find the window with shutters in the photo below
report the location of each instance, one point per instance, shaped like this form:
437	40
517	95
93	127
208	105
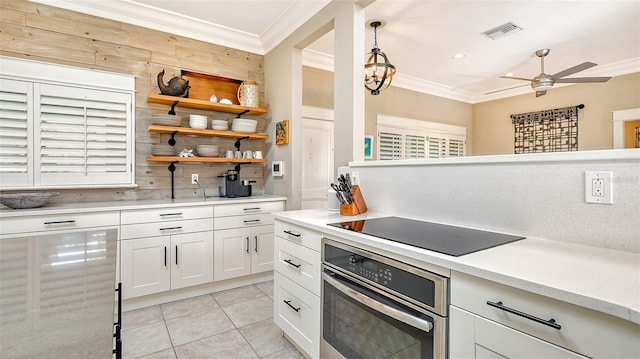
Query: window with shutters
401	138
60	135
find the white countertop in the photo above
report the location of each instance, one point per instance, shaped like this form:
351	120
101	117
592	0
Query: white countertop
56	208
601	279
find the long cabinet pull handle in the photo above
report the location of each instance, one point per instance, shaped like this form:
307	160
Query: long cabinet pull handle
293	264
551	322
252	209
288	302
251	220
170	228
247	245
256	239
165	256
171	214
293	234
61	222
176	255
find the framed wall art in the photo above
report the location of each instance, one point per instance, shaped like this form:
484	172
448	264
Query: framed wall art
282	132
368	147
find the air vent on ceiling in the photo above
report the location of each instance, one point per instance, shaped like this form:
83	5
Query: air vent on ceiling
502	30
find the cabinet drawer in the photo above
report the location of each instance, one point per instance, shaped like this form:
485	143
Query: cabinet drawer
165	214
30	224
129	231
298	234
238	209
242	221
583	330
297	313
298	263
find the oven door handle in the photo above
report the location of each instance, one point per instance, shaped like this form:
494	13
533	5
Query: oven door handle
380	307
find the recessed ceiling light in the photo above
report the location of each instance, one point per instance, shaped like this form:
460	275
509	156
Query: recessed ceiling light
458	56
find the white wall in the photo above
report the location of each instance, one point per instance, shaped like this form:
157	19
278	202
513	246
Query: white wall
535	195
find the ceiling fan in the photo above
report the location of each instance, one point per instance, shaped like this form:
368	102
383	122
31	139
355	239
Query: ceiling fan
544	82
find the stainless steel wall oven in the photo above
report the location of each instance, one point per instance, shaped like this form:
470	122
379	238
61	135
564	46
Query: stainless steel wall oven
378	307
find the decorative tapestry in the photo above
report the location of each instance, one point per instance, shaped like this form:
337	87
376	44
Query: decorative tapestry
547	130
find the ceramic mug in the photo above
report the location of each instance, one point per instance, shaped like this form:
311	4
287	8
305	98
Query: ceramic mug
257	154
229	154
238	154
247	154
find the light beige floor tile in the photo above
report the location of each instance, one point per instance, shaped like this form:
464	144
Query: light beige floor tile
141	341
188	306
237	295
165	354
141	317
265	337
226	345
290	353
266	287
249	311
198	325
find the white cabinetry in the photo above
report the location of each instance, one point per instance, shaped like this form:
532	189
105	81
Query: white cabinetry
297	285
490	320
164	249
243	238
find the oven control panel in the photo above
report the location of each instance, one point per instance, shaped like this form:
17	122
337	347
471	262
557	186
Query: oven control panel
370	269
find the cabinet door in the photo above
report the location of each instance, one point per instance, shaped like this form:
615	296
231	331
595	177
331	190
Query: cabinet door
191	259
471	336
145	266
261	249
231	249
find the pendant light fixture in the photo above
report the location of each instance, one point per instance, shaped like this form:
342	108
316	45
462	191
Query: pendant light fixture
378	71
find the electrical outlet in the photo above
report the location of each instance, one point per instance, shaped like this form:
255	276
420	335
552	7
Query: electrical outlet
598	187
194	178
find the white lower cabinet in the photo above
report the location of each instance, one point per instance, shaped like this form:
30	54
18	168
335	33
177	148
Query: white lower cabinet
297	285
477	337
492	320
243	251
167	249
243	238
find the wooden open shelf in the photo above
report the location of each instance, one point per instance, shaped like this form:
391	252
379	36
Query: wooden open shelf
204	105
204	159
207	133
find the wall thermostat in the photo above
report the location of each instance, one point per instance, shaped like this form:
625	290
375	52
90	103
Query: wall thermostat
277	168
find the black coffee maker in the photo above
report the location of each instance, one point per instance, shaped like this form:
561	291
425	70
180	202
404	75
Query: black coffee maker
230	185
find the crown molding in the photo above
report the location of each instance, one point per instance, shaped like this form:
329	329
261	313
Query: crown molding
165	21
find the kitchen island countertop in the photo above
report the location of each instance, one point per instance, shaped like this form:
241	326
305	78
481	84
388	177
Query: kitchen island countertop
601	279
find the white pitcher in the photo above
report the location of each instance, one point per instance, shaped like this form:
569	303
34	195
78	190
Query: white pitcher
248	94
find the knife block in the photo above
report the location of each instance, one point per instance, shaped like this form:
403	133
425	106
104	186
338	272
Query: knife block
358	206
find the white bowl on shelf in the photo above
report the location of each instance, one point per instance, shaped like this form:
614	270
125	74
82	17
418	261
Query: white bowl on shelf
208	150
220	125
198	121
163	150
166	120
244	125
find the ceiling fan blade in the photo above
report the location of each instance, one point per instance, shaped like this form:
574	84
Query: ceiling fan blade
509	88
515	78
573	70
583	80
541	93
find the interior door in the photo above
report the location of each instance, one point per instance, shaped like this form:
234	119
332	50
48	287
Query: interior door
317	162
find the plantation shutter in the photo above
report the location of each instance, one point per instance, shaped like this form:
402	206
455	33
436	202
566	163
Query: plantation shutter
82	135
456	146
414	146
437	146
15	132
390	147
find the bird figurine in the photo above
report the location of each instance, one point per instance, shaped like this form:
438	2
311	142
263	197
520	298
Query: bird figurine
176	87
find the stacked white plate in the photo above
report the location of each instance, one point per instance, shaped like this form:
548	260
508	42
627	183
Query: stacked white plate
166	120
163	150
198	121
220	125
208	150
244	125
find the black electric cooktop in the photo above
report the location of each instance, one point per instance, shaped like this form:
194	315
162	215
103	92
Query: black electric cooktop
451	240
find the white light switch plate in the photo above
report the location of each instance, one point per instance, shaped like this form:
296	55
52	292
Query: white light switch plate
598	187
